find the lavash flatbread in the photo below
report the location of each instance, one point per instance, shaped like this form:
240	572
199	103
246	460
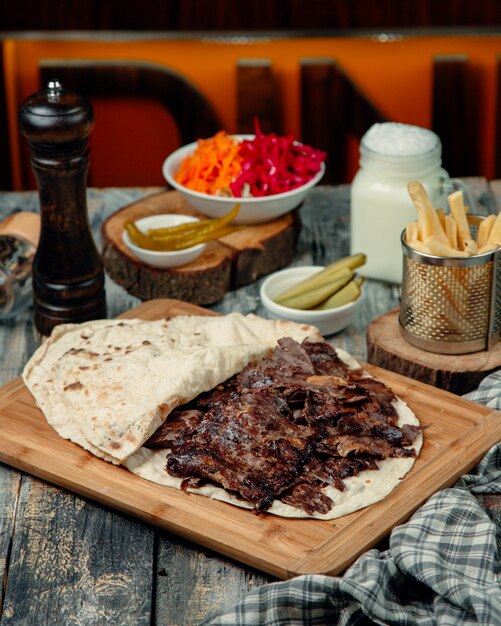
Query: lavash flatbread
108	385
360	491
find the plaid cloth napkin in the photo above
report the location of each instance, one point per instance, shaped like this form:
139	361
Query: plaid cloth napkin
443	567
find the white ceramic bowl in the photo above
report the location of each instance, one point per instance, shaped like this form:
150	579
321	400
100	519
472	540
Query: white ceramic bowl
157	258
328	322
252	210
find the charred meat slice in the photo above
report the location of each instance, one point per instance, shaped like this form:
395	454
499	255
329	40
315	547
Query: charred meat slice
286	369
345	445
328	471
369	425
247	446
217	396
307	493
403	452
176	428
324	359
380	396
355	405
308	497
409	434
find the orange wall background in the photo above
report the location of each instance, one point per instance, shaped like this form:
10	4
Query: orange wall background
394	72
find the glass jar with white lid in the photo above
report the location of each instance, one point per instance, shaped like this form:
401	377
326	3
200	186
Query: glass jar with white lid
392	155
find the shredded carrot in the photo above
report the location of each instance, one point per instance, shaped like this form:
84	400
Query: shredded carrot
213	166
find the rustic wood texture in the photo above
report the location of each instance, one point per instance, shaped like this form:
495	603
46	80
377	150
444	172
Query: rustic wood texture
332	108
233	261
198	15
323	111
455	106
87	553
186	571
10	484
278	546
188	582
257	97
456	373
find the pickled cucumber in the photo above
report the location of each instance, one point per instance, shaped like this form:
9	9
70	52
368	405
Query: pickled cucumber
348	293
322	277
313	297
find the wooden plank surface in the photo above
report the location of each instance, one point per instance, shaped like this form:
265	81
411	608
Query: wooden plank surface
102	555
460	433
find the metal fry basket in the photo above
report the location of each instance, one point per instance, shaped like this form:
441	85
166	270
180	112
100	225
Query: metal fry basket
451	305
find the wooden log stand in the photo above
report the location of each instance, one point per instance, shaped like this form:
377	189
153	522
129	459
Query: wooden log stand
231	262
456	373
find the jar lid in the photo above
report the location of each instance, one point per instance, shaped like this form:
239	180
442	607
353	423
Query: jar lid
56	115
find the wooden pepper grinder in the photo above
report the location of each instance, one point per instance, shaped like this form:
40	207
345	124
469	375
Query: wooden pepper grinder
68	276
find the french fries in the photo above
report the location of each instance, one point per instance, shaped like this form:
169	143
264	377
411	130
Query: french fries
494	237
451	230
443	301
428	220
438	248
449	235
458	212
484	230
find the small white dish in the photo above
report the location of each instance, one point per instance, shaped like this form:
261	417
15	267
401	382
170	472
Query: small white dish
252	210
328	322
158	258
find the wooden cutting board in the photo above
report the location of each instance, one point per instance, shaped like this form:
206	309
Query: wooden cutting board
460	433
228	263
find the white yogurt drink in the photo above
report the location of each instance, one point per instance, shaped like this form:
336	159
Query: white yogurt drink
391	155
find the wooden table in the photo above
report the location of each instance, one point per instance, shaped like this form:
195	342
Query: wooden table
66	560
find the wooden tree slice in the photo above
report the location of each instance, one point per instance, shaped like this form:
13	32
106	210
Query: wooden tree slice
456	373
235	260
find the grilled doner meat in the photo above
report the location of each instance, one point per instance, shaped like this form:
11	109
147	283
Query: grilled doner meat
247	446
179	425
288	426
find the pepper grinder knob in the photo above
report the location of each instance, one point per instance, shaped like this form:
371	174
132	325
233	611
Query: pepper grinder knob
68	275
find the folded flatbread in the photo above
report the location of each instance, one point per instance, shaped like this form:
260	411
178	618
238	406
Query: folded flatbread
108	385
